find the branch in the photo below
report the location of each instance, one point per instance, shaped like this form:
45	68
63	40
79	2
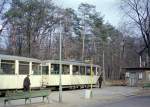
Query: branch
2	6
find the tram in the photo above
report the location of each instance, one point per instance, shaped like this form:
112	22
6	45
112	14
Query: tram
74	74
13	70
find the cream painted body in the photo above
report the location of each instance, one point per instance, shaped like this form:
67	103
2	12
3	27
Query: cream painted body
16	81
69	79
53	80
79	79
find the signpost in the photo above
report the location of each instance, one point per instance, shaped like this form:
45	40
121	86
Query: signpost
89	92
91	77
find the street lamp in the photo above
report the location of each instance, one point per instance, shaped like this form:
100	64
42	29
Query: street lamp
104	75
1	29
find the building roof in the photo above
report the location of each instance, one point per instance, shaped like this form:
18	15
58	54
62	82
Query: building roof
136	69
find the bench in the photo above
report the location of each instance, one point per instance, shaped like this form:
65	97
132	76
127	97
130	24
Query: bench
27	95
146	85
117	82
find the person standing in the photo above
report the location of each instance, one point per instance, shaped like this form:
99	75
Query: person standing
100	80
26	84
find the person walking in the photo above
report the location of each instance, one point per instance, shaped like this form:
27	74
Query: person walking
26	84
100	80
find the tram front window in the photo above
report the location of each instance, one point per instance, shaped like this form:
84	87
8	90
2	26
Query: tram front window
98	71
45	70
7	67
88	70
36	68
94	70
23	67
54	68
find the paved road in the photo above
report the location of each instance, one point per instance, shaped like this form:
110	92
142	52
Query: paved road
137	101
104	97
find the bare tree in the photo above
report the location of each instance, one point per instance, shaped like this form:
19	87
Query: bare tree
31	21
139	12
2	9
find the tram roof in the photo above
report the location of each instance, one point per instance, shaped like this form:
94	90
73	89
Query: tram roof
20	58
68	62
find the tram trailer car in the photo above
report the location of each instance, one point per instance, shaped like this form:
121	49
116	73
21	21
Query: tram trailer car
14	69
74	74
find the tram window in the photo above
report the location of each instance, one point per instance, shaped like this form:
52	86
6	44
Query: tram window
7	67
88	70
45	70
65	69
94	70
98	71
36	68
82	70
75	70
54	68
23	67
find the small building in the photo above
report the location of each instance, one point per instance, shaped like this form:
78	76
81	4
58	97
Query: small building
137	76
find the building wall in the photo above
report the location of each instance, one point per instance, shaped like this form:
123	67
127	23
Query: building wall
147	75
138	78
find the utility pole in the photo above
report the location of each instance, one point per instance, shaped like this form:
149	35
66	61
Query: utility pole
83	37
1	28
60	65
104	66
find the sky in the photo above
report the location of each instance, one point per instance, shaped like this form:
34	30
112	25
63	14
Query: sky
108	8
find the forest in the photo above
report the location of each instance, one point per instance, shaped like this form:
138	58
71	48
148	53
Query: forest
32	28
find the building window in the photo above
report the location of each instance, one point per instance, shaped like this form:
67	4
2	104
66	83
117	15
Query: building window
23	67
45	70
54	68
36	68
140	76
127	75
75	70
149	76
7	67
